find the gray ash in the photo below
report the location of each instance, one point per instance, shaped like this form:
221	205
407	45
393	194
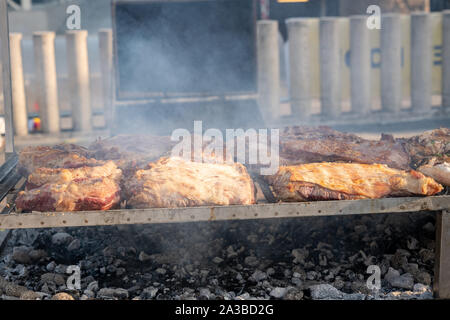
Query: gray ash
308	258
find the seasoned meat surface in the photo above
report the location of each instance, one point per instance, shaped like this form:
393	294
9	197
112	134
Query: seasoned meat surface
175	182
59	156
76	195
42	176
423	147
316	164
300	145
63	178
131	152
346	181
134	152
437	169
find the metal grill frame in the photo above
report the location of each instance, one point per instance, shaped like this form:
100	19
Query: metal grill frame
222	213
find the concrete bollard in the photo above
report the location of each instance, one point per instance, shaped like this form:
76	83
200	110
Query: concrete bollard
446	59
26	5
299	33
421	62
391	62
330	67
78	76
360	64
106	65
268	69
20	118
46	82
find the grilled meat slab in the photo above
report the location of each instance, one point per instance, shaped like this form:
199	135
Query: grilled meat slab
175	182
134	146
77	195
134	152
430	154
59	156
438	170
131	152
42	176
347	181
423	147
300	145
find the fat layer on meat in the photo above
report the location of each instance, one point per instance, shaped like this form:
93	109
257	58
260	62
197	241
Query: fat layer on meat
175	182
346	181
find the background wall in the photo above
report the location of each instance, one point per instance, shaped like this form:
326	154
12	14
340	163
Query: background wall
95	14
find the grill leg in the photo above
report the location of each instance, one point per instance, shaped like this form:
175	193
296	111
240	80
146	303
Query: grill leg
442	264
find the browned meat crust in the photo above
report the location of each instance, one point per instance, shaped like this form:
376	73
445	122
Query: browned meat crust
59	156
300	145
136	152
346	181
437	169
433	143
79	194
175	182
131	152
42	176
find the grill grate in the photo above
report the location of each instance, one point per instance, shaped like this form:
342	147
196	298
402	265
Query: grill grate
267	207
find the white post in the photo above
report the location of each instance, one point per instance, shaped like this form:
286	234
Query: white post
46	82
106	65
360	64
299	31
426	6
446	59
6	78
26	4
268	69
20	118
330	67
78	73
421	62
391	68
